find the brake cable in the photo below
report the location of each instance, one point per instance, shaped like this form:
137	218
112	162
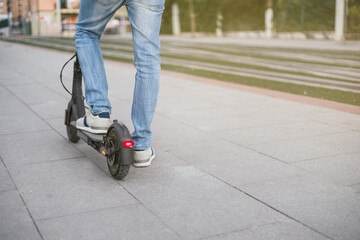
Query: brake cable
61	80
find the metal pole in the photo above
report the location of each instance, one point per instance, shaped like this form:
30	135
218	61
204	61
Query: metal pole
38	17
345	16
192	18
58	16
269	17
122	21
302	17
175	19
340	20
219	19
9	16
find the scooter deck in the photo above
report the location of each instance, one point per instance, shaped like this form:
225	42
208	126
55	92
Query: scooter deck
84	135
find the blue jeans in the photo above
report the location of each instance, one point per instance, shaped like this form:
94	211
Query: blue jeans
145	19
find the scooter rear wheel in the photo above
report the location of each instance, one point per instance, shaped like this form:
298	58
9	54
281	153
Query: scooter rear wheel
116	168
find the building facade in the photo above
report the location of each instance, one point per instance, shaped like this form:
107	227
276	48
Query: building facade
17	13
45	22
43	18
3	8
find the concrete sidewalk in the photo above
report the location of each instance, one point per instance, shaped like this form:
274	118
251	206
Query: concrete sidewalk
230	164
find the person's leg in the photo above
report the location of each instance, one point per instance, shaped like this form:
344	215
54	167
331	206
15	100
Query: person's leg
145	18
93	17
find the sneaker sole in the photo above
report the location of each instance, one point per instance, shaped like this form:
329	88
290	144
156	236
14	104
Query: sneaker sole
95	131
147	163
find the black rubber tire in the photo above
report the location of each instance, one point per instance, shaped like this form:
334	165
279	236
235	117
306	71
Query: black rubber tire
117	170
71	131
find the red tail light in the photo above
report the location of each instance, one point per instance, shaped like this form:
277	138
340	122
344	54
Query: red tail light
128	144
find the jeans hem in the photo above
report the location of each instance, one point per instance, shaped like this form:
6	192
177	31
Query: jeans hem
140	148
101	110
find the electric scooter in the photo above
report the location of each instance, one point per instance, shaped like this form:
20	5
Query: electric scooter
116	145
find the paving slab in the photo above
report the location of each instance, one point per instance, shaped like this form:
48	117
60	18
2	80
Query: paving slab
311	147
289	230
18	150
343	169
58	125
226	119
6	183
278	132
331	209
184	103
35	94
191	87
26	67
218	112
15	221
50	109
15	106
170	132
11	122
58	88
127	222
232	163
10	78
298	109
356	188
346	120
66	187
195	204
192	95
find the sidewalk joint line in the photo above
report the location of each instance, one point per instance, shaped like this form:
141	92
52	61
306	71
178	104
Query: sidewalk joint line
25	132
337	125
240	230
327	156
253	197
153	213
86	212
23	201
51	127
268	205
294	138
56	160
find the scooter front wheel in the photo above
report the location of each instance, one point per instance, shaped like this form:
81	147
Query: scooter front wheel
70	130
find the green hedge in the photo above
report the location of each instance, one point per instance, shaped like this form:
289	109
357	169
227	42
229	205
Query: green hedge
304	15
239	15
353	20
248	15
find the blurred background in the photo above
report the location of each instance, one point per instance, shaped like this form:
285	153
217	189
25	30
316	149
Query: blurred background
295	19
303	47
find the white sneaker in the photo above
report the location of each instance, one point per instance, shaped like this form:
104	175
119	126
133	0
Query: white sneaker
144	158
97	124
